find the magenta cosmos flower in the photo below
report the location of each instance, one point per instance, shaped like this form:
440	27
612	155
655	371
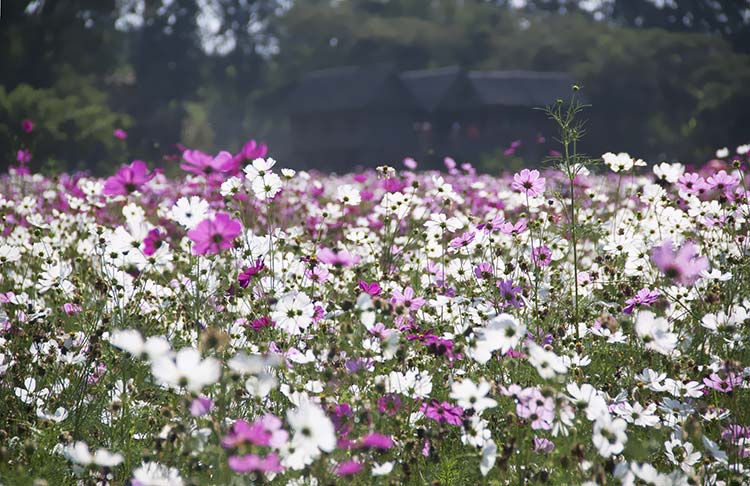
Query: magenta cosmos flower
250	151
253	462
407	299
27	125
200	163
120	133
213	235
528	182
683	266
128	179
23	156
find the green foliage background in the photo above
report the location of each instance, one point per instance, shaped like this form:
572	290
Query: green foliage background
660	89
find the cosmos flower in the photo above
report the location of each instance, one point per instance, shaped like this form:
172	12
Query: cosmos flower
199	163
542	256
407	299
337	258
313	432
529	183
189	211
119	133
644	296
683	266
293	312
27	125
79	453
213	235
501	333
129	178
186	370
609	435
470	395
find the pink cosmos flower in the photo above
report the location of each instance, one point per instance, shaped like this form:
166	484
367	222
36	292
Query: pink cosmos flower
376	440
543	445
254	462
213	235
27	125
410	163
513	229
509	292
152	242
389	404
200	406
443	412
528	182
199	163
23	156
349	468
692	183
683	266
462	240
71	309
250	151
250	272
723	385
483	270
372	289
407	299
120	133
128	179
721	181
645	297
337	258
542	256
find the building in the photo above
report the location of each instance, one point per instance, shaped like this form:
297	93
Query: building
369	116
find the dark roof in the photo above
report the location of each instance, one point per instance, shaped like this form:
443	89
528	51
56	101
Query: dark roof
430	86
521	88
345	88
381	87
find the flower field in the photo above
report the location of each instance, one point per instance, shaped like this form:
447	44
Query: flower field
243	323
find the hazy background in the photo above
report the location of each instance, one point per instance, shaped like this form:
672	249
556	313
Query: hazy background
668	79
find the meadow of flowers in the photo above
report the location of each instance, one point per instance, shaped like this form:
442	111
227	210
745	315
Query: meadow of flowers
248	324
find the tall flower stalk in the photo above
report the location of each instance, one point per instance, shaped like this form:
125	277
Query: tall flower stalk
570	162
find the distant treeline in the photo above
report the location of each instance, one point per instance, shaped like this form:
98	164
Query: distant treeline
665	83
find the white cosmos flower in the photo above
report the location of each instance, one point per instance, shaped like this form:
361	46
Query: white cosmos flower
621	162
501	333
230	186
722	153
267	186
58	416
348	195
547	363
79	453
259	168
313	431
656	332
9	254
609	435
413	383
130	340
382	469
489	455
669	172
637	414
589	397
155	474
469	395
293	312
189	212
186	370
680	453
